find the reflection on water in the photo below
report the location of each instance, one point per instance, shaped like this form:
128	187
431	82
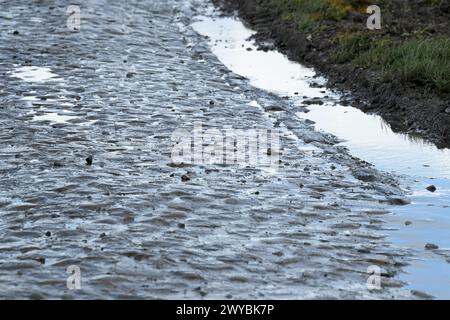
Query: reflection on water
266	70
53	117
34	74
370	138
367	137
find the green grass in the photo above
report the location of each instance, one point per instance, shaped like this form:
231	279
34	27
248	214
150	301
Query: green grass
352	45
421	61
307	13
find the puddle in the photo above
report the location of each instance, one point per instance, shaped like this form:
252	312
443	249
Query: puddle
53	117
371	139
34	74
367	137
266	70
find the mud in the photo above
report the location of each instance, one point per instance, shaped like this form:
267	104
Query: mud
408	108
133	74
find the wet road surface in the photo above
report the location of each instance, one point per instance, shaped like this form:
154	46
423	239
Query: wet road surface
117	90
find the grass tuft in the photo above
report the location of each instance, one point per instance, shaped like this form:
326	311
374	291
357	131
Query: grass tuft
307	13
421	61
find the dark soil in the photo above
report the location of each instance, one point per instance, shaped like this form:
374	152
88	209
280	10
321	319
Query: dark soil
408	107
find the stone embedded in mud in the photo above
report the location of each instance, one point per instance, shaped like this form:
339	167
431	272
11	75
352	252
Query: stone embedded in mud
366	175
398	201
408	223
313	101
57	164
41	260
431	246
273	108
89	160
431	188
185	178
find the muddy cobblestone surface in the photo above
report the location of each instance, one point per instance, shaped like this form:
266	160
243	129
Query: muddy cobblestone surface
131	76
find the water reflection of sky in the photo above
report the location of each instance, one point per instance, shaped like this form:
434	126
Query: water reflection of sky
371	139
367	137
265	70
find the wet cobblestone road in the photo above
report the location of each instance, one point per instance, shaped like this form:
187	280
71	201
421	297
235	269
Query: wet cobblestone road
132	75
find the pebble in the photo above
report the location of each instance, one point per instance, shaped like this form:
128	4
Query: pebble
431	188
431	246
89	160
398	201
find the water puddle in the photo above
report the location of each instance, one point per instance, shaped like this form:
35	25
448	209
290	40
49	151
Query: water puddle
53	117
368	137
266	70
371	139
34	74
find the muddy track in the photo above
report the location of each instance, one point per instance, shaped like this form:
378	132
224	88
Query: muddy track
131	220
408	108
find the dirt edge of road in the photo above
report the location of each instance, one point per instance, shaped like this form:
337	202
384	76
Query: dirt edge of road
408	107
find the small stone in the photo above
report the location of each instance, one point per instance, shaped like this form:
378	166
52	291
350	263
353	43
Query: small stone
269	152
181	226
36	296
211	102
274	108
185	178
48	234
57	164
398	201
408	223
89	160
16	32
431	246
131	74
431	188
314	101
103	235
41	260
447	110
